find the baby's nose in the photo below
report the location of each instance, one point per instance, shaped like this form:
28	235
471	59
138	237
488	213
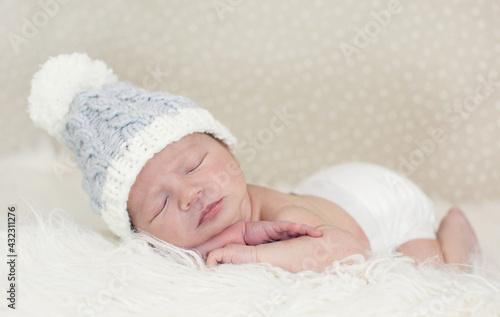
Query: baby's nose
189	197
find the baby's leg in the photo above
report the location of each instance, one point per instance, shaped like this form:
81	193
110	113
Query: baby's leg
455	244
457	238
422	249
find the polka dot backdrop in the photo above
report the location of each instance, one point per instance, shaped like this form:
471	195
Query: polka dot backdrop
412	85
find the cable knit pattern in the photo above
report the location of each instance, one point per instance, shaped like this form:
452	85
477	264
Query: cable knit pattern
139	149
101	122
114	129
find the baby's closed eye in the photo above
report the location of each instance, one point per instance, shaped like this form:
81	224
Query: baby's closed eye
158	210
193	166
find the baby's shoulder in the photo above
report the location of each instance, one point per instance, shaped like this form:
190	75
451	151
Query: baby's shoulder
277	206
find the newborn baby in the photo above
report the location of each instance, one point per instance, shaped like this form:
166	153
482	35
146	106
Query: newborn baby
193	194
158	163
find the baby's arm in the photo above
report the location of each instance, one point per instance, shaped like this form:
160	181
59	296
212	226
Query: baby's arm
301	253
259	232
254	233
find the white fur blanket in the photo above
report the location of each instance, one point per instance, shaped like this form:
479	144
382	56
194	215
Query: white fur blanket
68	265
65	269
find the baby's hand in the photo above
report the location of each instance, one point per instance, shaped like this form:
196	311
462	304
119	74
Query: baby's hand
258	232
234	254
254	233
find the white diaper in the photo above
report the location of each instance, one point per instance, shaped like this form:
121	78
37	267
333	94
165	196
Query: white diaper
389	207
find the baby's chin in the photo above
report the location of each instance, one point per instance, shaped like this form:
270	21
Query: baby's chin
222	220
217	225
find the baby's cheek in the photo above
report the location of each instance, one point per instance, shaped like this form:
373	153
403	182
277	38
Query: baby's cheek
224	174
233	168
235	173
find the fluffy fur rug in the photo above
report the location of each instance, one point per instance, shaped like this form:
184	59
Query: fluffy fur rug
65	269
68	265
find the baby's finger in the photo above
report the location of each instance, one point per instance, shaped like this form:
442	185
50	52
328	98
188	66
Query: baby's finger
215	257
287	229
232	253
285	226
310	231
295	229
282	230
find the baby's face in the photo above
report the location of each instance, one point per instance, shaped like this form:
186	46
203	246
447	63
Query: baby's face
189	192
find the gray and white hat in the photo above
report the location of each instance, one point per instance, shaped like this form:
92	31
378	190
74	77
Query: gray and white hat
113	127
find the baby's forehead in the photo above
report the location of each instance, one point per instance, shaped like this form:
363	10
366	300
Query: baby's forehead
179	151
187	143
194	141
168	159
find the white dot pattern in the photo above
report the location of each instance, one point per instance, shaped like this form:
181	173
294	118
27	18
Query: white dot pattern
416	90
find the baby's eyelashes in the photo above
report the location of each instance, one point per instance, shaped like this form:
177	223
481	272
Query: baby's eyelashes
196	165
158	211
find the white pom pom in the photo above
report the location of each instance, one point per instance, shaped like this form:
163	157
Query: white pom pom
57	83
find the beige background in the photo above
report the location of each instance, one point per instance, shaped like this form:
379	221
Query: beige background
412	90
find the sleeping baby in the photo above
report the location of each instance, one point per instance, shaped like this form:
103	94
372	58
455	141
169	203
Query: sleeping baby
158	163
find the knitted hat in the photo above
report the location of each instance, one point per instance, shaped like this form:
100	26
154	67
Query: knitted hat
114	128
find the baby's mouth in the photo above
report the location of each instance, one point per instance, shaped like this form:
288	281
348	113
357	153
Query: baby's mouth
210	211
